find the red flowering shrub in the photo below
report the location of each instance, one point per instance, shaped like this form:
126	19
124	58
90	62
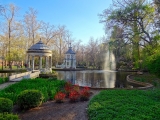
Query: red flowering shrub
74	96
74	93
59	97
76	88
86	88
68	87
84	94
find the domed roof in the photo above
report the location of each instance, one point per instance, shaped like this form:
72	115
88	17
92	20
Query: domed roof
39	46
70	51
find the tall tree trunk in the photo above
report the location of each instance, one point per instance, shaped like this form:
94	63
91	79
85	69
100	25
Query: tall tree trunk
136	39
9	45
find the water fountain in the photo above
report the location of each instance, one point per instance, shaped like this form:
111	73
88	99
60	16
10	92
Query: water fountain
109	70
110	62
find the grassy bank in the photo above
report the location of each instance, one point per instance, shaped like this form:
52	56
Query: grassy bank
125	105
48	87
149	78
3	80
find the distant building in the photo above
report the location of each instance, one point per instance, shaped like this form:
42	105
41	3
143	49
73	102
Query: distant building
70	59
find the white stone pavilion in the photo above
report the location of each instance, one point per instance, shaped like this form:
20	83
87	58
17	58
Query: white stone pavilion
70	59
40	58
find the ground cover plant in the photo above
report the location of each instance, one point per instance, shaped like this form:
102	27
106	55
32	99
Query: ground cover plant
8	116
125	105
48	88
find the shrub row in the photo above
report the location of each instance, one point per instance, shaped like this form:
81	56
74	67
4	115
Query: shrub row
26	99
48	88
6	106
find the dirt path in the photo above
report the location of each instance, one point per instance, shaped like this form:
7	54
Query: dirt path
4	85
58	111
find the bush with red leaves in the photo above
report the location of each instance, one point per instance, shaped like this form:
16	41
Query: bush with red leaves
84	94
74	96
59	97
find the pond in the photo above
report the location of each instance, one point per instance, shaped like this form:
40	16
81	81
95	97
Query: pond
96	78
7	74
3	75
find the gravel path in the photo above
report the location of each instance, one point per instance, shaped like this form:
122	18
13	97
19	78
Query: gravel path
4	85
55	111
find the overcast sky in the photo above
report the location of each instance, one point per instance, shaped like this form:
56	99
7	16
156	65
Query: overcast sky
79	16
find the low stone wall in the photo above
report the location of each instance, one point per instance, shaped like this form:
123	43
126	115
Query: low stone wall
18	75
35	74
25	75
143	84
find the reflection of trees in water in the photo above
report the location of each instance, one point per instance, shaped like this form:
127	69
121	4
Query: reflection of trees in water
87	79
3	75
121	80
109	79
67	75
91	77
99	79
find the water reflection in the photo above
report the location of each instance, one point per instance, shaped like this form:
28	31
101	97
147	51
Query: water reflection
3	75
95	78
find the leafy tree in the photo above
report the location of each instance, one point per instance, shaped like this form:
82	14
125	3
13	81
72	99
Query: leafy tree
61	42
31	26
135	19
152	62
48	32
9	23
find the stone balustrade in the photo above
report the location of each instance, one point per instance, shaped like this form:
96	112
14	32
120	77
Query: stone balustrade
35	74
25	75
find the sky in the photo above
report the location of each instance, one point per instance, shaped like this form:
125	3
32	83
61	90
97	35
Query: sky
79	16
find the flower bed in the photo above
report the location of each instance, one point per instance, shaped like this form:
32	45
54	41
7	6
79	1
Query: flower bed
73	92
59	97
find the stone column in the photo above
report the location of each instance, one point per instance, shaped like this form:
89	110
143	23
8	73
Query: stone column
51	62
29	64
40	62
46	61
32	62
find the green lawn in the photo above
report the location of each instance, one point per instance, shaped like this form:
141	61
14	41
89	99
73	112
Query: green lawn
125	105
13	67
